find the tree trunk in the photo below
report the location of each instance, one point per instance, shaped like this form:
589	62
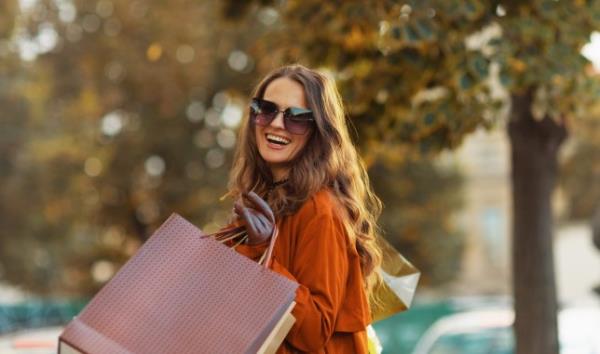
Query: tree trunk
535	145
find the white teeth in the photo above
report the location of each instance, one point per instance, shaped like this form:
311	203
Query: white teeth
278	138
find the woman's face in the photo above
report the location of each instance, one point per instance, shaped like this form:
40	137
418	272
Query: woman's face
285	93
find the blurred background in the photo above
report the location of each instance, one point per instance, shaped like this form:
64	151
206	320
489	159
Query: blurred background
479	122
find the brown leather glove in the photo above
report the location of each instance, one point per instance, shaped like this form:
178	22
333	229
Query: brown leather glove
258	216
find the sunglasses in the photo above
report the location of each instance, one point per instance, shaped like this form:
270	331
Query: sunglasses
295	120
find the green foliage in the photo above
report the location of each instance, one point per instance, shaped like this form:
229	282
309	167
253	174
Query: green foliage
8	9
424	74
419	198
124	120
389	53
130	117
580	177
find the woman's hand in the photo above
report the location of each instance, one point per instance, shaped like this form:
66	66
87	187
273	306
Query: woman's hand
258	216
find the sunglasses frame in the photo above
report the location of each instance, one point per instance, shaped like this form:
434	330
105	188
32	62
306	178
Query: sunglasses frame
289	115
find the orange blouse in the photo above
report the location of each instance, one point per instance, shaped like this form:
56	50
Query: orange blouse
313	249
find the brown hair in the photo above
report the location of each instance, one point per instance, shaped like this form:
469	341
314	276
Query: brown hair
328	159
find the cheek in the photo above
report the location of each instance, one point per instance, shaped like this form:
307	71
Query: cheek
301	142
257	134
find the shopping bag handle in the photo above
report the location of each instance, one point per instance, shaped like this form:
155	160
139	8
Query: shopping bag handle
233	232
228	233
268	255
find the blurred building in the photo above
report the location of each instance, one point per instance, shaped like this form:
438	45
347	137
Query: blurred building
484	160
577	264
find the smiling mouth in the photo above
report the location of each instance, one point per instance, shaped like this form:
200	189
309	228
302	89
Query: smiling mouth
276	139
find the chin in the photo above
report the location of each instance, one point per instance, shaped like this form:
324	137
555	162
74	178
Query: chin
273	159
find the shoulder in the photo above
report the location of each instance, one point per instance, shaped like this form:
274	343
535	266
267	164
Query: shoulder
317	204
322	204
317	224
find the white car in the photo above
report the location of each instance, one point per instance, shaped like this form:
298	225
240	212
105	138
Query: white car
490	332
31	341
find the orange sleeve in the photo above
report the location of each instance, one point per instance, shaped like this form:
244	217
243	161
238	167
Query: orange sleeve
320	266
254	252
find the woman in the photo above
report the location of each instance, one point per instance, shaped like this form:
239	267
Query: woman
295	166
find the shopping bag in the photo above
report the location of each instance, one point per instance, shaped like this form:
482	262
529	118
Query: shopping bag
400	278
184	292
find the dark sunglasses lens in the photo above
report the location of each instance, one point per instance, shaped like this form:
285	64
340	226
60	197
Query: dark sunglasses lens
262	112
298	124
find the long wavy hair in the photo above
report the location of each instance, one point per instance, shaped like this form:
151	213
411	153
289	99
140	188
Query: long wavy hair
329	158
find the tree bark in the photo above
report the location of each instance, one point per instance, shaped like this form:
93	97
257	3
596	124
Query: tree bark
535	145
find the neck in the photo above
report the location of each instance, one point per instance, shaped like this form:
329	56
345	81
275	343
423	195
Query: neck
279	174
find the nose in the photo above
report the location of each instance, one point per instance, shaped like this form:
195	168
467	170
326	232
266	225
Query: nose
277	122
